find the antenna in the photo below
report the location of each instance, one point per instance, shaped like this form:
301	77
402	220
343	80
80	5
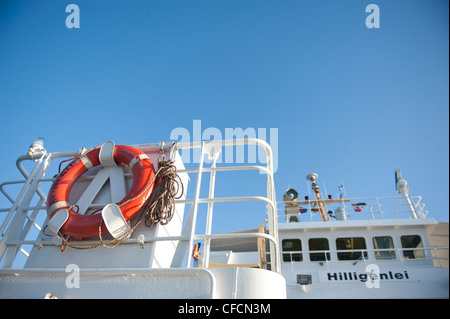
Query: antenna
319	201
343	188
400	183
325	188
398	177
401	186
312	177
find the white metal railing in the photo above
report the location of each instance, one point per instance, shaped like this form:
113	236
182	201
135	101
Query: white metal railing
372	208
22	217
426	255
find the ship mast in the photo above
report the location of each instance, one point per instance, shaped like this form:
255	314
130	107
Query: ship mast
401	187
321	207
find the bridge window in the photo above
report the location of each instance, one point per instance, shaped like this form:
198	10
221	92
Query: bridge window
412	241
293	246
353	247
383	242
319	244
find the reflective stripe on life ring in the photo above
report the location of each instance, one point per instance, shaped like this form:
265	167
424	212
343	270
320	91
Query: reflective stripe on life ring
83	226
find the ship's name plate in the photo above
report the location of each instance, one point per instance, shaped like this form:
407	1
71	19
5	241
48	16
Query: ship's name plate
369	276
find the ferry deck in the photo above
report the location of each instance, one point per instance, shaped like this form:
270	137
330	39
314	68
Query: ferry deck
316	247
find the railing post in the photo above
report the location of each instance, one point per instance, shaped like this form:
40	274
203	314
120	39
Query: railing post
17	230
212	184
195	205
379	208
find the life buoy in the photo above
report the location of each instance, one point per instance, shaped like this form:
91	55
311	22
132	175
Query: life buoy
83	226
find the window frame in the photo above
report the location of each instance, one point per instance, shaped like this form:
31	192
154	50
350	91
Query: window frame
291	255
384	254
412	252
319	256
351	254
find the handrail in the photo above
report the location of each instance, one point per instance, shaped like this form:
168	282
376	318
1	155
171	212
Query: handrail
36	177
270	199
399	256
375	207
133	241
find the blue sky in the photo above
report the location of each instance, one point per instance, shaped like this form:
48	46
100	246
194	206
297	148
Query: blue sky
350	103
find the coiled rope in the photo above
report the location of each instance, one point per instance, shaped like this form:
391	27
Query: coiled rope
159	207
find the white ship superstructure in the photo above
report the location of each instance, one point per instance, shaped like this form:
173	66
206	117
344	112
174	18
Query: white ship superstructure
318	247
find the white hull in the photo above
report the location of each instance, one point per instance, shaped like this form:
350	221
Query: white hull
194	283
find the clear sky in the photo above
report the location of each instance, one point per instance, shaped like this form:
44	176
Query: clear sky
350	103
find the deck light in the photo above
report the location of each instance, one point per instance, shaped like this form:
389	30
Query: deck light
37	147
304	279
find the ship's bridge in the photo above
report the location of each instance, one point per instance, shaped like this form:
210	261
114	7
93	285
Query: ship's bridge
331	246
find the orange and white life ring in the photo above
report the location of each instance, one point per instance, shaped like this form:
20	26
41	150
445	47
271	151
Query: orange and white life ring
84	226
